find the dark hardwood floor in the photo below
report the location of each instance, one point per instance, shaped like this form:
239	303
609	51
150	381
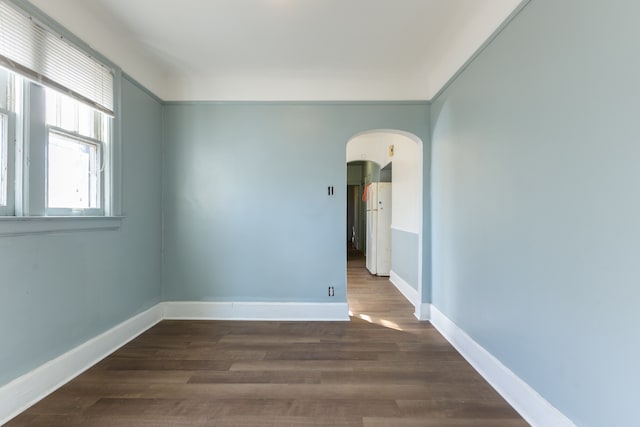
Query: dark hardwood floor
384	368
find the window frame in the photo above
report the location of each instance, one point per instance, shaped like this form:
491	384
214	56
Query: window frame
9	175
34	170
100	149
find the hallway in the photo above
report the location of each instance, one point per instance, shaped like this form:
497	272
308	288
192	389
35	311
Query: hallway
383	368
377	298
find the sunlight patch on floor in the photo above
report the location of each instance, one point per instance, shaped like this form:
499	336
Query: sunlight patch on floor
382	322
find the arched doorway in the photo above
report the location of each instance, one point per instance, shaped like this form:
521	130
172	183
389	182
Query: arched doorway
398	157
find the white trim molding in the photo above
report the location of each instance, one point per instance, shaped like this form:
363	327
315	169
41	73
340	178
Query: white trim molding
409	292
536	410
423	311
275	311
25	391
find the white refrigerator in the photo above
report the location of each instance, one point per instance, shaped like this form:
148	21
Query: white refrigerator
378	251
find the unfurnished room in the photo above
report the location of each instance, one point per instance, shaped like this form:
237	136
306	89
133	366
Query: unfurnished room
339	213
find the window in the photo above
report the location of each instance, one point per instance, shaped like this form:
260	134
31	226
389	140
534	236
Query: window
7	142
56	123
73	175
4	137
77	137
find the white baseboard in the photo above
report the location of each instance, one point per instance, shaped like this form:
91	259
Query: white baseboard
25	391
530	405
423	311
275	311
409	292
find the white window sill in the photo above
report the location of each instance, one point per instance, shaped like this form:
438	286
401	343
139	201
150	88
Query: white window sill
23	225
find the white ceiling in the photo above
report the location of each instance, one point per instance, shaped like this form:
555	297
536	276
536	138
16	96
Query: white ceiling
285	49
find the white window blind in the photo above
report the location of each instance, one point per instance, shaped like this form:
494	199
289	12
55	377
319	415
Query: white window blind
33	50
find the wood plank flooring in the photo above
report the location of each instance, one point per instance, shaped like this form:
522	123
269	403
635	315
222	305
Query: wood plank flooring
384	368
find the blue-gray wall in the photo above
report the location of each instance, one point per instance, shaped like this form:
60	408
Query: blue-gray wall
404	256
247	216
536	212
59	290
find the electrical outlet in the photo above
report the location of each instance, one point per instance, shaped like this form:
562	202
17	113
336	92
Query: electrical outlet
331	292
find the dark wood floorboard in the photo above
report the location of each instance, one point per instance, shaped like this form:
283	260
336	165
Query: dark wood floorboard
384	368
